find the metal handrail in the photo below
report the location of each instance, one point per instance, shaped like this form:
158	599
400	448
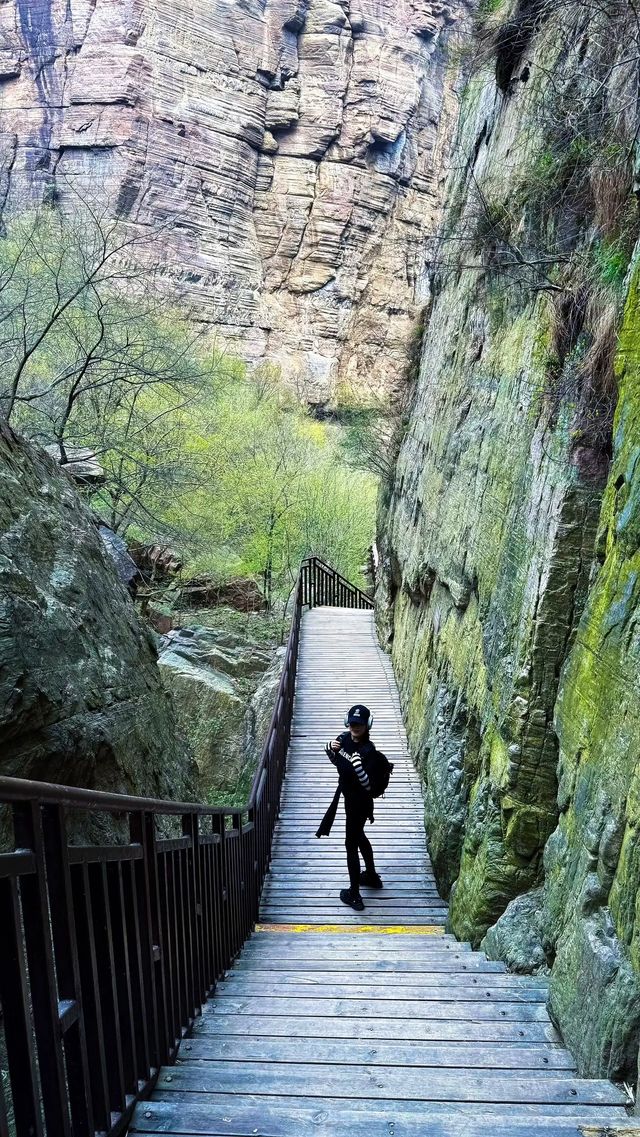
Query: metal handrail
323	585
107	954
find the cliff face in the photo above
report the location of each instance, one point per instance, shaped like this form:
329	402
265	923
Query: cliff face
510	600
283	152
591	914
81	697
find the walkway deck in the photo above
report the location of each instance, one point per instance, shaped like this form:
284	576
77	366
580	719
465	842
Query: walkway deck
340	1024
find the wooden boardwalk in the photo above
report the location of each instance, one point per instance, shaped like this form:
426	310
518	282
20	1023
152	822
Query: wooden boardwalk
339	1024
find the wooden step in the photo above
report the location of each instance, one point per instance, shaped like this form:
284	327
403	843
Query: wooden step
240	1115
334	1023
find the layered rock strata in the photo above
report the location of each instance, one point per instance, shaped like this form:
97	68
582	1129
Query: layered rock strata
510	602
81	698
280	156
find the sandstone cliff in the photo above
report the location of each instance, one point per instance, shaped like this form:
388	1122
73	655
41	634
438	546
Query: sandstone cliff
510	599
285	150
81	697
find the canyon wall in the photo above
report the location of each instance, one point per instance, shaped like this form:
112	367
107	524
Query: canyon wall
509	539
280	157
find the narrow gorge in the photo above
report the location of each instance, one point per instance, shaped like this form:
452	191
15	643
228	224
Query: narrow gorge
425	211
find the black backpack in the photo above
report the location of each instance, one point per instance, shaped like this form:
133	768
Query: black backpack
378	769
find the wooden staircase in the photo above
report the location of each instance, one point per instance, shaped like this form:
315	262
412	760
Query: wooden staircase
338	1024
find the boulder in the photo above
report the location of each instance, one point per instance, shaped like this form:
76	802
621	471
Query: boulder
116	547
155	562
517	937
262	705
81	699
206	592
223	684
221	650
212	713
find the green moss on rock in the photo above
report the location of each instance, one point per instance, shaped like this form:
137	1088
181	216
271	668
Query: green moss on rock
593	859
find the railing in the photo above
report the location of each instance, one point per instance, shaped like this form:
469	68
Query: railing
107	953
322	585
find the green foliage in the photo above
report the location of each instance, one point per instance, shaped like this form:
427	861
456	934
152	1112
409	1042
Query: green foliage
271	489
611	261
489	7
227	466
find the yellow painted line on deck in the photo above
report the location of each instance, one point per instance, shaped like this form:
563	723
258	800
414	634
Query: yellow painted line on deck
393	930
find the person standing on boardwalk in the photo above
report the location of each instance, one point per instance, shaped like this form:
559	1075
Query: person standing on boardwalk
349	753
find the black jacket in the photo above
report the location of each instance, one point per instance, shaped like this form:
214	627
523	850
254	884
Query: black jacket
357	799
348	780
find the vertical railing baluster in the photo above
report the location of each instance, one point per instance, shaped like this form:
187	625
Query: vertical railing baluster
140	1014
193	928
142	832
121	974
218	894
107	985
184	940
14	995
207	969
42	977
219	823
168	924
91	1001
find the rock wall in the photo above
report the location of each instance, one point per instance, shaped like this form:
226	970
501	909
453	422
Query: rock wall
511	605
591	913
223	682
81	698
284	153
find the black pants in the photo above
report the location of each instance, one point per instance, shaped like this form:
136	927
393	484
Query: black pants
355	840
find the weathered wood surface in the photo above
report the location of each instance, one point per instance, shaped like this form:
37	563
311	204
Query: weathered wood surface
339	1024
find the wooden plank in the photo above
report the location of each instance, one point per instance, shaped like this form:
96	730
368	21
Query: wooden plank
428	913
324	1025
432	966
245	1116
369	977
239	985
332	916
473	1011
385	942
310	946
322	876
330	859
378	901
395	849
254	1048
320	889
323	892
401	1084
377	944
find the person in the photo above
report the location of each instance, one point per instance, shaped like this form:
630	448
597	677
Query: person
349	753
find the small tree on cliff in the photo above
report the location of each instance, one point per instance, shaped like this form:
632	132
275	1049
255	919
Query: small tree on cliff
92	356
82	314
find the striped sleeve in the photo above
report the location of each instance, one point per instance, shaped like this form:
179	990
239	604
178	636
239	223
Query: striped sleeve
358	767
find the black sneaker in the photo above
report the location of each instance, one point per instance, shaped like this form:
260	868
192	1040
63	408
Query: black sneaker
353	899
370	879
